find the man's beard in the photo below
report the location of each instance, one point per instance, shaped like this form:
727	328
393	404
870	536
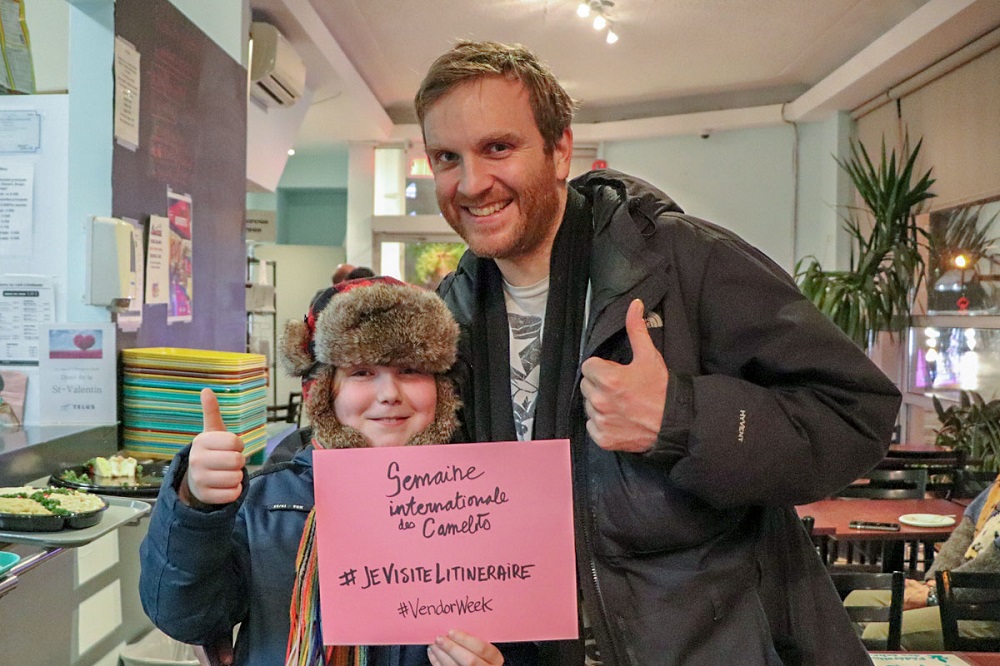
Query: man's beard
538	211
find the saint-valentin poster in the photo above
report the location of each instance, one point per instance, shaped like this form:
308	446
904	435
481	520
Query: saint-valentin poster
414	541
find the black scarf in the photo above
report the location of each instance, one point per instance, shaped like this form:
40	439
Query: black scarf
569	271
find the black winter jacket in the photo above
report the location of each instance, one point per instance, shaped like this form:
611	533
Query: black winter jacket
691	554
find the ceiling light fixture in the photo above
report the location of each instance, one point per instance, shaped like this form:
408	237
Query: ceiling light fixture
599	9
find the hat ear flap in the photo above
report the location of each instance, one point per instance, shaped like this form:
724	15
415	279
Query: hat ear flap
294	349
445	422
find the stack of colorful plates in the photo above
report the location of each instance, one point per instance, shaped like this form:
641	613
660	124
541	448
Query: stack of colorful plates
162	402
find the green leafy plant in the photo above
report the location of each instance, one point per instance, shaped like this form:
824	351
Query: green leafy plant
886	266
972	426
435	260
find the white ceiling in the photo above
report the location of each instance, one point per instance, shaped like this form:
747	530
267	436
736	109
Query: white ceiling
679	64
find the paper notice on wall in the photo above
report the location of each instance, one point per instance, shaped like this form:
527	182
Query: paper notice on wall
77	373
20	131
27	302
181	304
126	94
17	186
157	277
20	75
131	319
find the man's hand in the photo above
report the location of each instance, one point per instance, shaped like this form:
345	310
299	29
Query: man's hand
461	649
625	403
215	466
915	594
218	653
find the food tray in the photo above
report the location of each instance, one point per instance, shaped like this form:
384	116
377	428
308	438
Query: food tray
146	486
25	522
120	510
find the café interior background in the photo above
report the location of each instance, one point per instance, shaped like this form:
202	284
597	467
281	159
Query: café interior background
766	171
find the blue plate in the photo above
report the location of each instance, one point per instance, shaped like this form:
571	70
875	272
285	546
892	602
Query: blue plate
7	561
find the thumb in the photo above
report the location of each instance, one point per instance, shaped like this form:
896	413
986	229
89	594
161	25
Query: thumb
210	410
638	333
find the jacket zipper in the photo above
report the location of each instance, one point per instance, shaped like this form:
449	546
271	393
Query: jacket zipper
582	501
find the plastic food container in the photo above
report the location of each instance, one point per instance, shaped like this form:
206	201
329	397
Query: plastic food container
19	522
7	561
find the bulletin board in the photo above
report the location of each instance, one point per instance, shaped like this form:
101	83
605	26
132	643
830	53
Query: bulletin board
192	143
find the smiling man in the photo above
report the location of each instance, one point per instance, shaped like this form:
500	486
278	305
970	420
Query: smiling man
494	175
702	394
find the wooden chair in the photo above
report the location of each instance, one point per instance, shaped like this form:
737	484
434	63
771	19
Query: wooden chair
893	613
290	412
822	543
971	482
943	468
979	599
889	484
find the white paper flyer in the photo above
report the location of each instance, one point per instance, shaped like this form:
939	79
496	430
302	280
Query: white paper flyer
77	382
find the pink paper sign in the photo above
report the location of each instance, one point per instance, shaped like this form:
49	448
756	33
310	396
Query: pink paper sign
414	541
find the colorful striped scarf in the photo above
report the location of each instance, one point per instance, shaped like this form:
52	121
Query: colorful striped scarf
305	639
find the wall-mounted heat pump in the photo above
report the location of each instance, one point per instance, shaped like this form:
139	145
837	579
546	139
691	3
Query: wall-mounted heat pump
277	73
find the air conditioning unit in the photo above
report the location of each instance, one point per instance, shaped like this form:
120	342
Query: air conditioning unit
277	73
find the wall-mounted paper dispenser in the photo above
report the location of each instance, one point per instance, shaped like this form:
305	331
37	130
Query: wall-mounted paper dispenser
110	263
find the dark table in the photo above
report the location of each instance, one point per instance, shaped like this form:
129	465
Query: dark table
920	451
833	515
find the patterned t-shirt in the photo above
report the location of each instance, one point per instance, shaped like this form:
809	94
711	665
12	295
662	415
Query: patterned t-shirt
526	319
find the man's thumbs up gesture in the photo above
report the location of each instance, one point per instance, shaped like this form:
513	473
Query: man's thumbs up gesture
215	466
625	403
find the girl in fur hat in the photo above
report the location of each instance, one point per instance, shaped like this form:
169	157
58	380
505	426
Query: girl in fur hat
223	550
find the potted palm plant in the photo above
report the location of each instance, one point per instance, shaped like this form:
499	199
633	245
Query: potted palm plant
876	293
972	426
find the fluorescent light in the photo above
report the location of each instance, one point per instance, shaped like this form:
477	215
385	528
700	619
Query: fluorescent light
612	37
583	10
600	22
291	151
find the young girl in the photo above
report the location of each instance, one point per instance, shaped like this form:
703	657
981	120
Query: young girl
223	550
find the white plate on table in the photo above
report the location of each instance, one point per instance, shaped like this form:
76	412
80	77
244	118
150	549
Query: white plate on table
926	520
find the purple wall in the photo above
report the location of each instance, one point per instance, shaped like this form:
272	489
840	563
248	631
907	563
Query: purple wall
192	139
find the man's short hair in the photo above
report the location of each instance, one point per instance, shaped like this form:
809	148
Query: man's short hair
341	273
360	272
471	60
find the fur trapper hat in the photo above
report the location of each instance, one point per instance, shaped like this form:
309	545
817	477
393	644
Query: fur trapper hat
371	321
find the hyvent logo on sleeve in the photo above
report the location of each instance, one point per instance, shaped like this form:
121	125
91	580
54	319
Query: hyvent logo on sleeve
289	507
743	425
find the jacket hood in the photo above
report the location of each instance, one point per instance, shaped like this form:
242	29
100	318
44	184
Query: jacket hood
635	191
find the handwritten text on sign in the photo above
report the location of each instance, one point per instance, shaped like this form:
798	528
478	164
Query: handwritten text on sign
414	541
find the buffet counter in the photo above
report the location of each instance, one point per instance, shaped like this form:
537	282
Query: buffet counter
86	594
33	452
